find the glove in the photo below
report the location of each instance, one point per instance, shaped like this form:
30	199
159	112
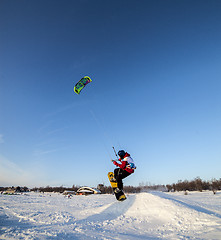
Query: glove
115	163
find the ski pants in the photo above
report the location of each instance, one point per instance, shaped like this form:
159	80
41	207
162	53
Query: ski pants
120	174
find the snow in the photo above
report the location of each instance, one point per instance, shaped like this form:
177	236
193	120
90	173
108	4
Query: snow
154	215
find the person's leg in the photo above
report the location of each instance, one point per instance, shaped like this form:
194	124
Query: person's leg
124	174
117	175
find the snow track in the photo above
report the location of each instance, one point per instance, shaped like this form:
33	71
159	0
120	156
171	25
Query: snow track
142	216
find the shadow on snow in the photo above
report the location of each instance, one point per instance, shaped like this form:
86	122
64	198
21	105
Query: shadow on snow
95	223
191	206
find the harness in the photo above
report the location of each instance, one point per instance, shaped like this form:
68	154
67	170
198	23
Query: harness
130	165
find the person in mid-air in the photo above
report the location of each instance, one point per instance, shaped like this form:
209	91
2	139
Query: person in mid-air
124	169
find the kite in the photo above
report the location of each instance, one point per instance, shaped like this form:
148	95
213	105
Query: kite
81	84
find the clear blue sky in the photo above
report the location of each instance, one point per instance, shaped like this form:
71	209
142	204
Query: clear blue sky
156	81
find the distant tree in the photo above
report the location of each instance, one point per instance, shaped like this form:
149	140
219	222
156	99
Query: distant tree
25	189
18	189
192	186
215	185
199	184
3	189
206	185
131	189
75	188
169	187
101	187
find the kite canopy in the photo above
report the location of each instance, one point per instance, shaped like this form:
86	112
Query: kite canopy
81	84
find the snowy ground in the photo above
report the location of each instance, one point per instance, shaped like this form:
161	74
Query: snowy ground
154	215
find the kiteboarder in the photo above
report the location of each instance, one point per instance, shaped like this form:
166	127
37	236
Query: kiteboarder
124	169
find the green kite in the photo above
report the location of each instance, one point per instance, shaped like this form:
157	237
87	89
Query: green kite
81	84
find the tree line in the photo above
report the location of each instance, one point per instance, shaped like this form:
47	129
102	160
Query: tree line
194	185
60	189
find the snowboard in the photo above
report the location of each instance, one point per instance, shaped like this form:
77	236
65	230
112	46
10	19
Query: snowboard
120	196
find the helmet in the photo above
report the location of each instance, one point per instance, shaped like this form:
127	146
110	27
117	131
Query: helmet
121	154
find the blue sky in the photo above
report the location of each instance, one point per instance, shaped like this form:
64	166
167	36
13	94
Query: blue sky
155	91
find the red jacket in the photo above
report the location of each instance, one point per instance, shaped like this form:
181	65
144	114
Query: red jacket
124	164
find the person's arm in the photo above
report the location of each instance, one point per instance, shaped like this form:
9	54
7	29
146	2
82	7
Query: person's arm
122	165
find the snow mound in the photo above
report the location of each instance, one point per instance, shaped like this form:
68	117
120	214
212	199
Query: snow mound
154	215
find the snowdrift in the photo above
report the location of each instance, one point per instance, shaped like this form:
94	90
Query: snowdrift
153	215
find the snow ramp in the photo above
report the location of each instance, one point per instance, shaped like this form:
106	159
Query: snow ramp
151	216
